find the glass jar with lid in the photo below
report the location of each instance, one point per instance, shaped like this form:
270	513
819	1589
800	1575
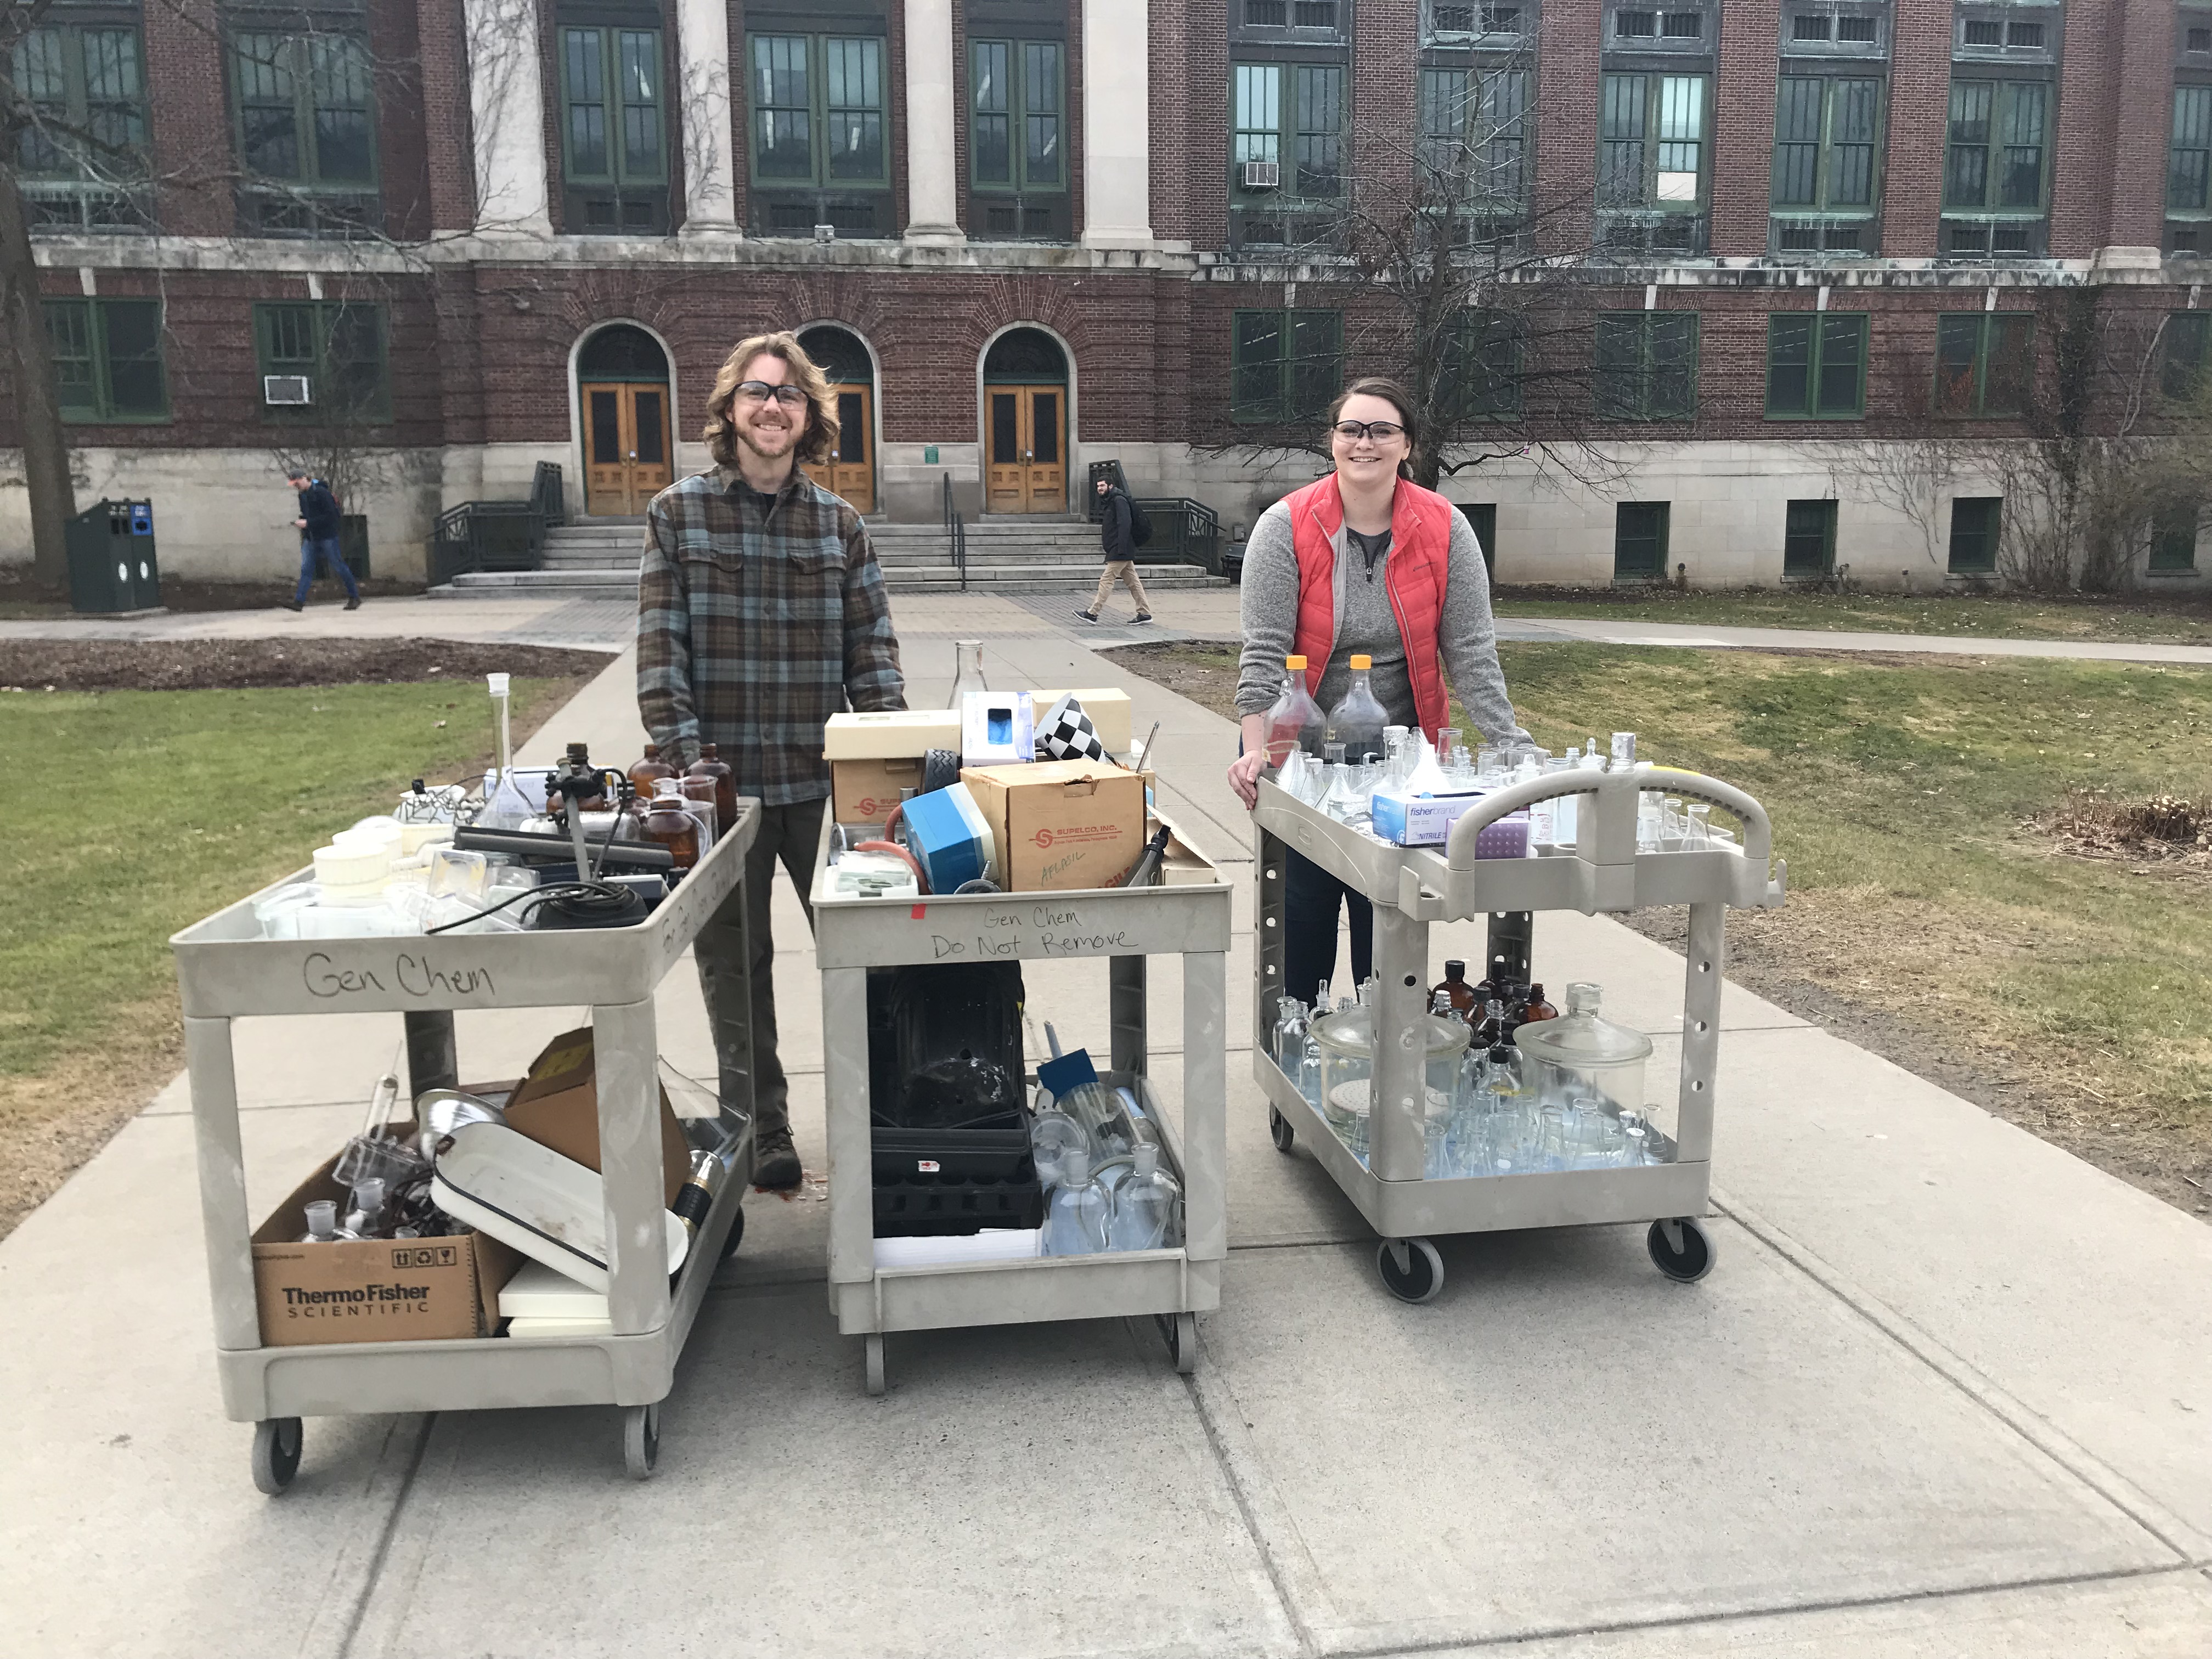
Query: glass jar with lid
1347	1042
1582	1059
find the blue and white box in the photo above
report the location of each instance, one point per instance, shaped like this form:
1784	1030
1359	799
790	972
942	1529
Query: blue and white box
1407	820
949	837
997	728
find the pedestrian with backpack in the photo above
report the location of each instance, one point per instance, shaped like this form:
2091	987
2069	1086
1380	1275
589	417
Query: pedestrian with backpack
319	524
1122	529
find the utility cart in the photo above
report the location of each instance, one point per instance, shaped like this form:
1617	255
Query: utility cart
1412	887
226	969
1124	925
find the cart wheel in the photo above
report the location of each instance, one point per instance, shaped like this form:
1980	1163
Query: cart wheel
1181	1332
1278	1129
275	1453
737	1233
875	1342
1412	1270
640	1440
1680	1249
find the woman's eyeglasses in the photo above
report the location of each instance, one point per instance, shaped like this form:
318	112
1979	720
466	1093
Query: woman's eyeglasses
759	391
1381	431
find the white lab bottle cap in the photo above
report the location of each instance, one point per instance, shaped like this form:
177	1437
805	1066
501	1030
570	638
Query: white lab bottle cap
498	684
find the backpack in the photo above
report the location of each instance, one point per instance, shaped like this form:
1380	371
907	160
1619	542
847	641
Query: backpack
1140	525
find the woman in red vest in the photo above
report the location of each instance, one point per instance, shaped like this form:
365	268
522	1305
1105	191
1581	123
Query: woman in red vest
1363	561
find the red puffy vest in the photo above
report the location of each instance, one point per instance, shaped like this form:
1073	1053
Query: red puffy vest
1415	573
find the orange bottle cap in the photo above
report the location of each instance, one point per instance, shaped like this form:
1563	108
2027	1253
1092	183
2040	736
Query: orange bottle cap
1294	664
1363	661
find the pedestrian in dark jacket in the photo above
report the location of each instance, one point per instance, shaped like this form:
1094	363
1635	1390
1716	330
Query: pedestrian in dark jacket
1117	538
319	524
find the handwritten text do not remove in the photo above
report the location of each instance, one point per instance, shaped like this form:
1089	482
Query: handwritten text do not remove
1045	930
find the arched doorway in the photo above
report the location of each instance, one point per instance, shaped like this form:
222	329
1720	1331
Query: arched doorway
850	471
621	387
1024	423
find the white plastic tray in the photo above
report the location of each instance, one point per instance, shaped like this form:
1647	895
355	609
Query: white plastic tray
549	1207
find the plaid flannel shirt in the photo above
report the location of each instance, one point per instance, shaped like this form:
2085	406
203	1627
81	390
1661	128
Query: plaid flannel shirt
753	628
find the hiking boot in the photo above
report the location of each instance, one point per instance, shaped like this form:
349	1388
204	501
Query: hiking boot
354	603
776	1162
294	604
1143	615
1090	616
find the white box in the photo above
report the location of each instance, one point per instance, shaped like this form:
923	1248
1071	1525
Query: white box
1418	820
997	728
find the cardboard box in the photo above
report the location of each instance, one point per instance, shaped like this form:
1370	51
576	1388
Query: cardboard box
1061	824
1108	705
372	1290
865	791
892	734
557	1105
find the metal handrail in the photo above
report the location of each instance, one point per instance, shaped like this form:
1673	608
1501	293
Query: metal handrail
478	536
1184	531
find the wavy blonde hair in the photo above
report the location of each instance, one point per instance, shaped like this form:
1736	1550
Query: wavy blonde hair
821	435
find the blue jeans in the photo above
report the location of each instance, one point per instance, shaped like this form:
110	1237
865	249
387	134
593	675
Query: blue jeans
327	551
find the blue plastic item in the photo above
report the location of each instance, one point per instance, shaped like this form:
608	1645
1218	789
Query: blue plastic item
947	835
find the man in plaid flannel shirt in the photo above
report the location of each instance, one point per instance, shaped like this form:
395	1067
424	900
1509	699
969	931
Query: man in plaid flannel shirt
761	613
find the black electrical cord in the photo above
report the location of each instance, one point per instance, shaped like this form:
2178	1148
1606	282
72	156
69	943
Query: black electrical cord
600	900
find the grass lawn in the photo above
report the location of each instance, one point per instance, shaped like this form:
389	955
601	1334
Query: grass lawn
142	811
1932	913
2179	622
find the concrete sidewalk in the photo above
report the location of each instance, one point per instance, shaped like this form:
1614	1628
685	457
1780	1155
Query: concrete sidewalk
1947	1392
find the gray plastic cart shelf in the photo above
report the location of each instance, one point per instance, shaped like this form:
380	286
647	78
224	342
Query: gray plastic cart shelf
1123	925
226	969
1412	887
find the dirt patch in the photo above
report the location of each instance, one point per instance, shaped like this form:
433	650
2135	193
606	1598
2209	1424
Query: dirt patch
237	665
22	599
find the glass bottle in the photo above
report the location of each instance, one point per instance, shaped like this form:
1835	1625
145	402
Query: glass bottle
710	764
1290	1031
1296	720
1309	1054
1147	1206
1624	752
1358	720
667	821
1537	1008
323	1224
1053	1136
649	771
367	1218
968	673
1075	1216
1453	986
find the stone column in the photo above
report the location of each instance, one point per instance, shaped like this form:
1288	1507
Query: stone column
506	107
931	85
1117	168
702	41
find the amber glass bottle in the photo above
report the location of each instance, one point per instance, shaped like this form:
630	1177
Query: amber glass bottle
710	764
668	823
1537	1008
647	772
1454	985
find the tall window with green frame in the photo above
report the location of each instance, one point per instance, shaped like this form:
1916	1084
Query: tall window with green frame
1827	133
1652	151
1475	134
2188	170
107	359
1816	365
306	131
2184	348
819	110
1014	132
82	158
1483	364
1289	117
339	346
1646	365
614	150
1985	362
1284	365
1997	166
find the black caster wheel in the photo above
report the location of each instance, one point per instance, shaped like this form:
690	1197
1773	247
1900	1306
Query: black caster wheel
1681	1248
275	1453
1180	1332
1411	1268
877	1383
640	1440
737	1235
1279	1130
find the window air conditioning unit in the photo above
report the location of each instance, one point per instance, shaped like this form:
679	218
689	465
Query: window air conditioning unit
285	391
1262	175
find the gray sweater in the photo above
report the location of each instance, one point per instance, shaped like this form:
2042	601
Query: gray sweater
1365	622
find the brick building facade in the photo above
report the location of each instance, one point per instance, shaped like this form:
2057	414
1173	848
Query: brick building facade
1050	231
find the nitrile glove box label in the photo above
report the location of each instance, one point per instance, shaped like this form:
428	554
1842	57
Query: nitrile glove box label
997	728
1416	820
949	837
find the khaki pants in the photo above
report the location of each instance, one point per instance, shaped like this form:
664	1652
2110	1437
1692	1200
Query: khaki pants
1120	570
734	947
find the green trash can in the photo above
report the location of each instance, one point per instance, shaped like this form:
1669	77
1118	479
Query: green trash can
111	562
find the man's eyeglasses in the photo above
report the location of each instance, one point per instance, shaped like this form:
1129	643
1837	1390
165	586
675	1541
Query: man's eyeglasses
759	391
1381	431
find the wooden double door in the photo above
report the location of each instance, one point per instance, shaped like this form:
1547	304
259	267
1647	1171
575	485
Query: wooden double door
1025	455
850	471
626	451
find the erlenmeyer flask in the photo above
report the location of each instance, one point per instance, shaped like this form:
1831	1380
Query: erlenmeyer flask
968	670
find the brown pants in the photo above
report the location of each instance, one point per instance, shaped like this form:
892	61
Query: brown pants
1120	570
746	1049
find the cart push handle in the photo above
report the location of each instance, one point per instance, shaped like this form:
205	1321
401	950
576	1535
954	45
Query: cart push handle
1607	836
